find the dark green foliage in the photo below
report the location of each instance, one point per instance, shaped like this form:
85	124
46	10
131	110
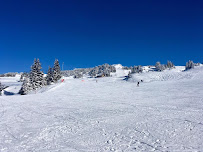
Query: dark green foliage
49	77
189	65
34	80
159	66
56	71
136	69
102	70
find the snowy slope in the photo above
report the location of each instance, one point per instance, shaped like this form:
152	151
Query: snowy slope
167	75
13	83
109	115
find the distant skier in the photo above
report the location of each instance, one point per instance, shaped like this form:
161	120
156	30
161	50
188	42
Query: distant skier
141	80
138	84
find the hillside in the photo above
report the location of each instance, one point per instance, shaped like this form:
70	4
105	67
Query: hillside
165	113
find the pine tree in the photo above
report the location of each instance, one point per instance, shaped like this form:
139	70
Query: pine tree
49	77
159	66
26	86
169	65
102	70
36	75
189	65
139	69
33	80
21	78
23	75
136	69
56	71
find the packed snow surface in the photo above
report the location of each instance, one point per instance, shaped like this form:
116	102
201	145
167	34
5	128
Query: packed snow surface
165	113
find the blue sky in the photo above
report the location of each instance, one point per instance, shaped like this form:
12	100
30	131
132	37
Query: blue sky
86	33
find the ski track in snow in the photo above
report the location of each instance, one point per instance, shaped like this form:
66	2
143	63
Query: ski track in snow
165	114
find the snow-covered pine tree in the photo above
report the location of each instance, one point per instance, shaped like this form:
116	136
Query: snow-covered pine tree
94	71
23	75
102	70
136	69
139	69
26	87
36	75
159	66
189	65
21	78
170	65
126	68
133	69
113	69
56	71
129	75
49	77
78	75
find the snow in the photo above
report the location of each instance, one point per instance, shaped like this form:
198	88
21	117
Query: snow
118	66
164	114
166	75
13	83
120	73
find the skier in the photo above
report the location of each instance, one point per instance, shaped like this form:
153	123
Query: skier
138	84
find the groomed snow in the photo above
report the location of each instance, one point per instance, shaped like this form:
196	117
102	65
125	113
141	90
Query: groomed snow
164	114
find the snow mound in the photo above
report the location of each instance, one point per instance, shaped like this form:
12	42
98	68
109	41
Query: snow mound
120	72
118	66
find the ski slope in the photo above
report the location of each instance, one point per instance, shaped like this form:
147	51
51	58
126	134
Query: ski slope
164	114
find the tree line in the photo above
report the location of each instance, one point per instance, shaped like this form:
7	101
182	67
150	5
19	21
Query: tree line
36	78
160	67
98	71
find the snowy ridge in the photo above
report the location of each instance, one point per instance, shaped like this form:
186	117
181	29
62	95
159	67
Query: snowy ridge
167	75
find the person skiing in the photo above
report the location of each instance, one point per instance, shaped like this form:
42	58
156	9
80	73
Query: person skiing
138	84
